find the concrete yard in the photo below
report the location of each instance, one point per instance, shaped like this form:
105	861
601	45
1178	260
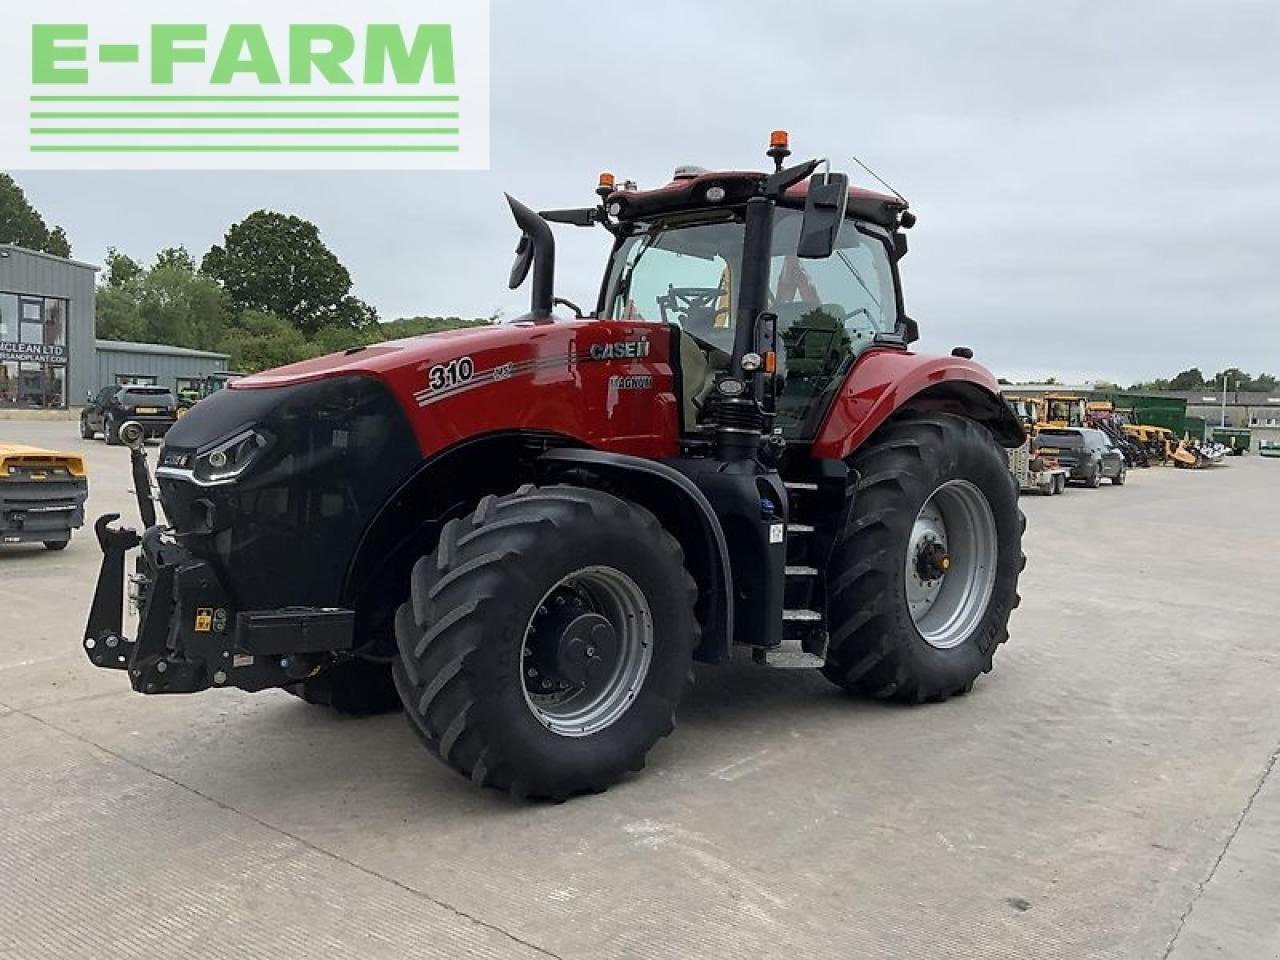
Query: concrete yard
1107	791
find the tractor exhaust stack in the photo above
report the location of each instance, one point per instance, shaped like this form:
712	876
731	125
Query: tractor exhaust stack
537	248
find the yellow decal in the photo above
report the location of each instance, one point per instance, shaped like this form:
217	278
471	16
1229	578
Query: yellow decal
204	619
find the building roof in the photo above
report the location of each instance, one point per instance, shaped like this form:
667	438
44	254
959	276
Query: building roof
163	349
1067	389
1242	398
46	256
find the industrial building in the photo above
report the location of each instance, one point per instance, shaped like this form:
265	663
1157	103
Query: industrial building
50	357
154	363
46	329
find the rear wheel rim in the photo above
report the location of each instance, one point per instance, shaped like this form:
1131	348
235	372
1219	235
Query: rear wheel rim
951	564
587	650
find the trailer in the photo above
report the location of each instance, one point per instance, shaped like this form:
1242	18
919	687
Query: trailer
1036	473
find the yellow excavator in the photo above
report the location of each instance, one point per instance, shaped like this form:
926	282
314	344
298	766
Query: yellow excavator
1062	411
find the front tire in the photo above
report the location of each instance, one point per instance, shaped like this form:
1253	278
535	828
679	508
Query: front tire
925	575
548	641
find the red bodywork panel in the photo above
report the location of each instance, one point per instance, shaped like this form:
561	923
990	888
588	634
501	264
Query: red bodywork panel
542	376
536	376
880	383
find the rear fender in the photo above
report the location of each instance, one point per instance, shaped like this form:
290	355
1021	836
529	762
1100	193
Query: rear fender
884	383
686	513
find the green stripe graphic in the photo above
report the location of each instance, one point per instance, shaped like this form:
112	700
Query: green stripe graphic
238	115
241	131
273	98
245	148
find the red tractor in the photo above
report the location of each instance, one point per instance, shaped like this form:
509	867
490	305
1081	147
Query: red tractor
528	533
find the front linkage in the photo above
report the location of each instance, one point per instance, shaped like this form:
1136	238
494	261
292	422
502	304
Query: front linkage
190	637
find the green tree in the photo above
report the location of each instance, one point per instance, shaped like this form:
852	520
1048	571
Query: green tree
277	264
176	257
116	314
22	225
1236	379
260	341
417	326
121	269
181	308
168	303
1191	379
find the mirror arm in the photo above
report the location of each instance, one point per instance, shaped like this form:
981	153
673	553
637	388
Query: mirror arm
776	184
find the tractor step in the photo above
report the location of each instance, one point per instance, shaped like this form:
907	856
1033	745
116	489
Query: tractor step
789	655
801	616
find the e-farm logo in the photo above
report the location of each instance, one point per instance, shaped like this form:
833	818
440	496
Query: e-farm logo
145	84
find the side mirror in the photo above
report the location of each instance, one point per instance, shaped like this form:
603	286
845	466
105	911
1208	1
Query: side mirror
824	209
910	330
524	260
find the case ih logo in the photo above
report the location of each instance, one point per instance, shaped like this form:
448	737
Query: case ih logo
240	84
621	350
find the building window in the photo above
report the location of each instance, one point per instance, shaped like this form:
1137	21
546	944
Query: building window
8	316
33	351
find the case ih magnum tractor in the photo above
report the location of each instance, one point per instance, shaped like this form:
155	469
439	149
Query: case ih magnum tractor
528	533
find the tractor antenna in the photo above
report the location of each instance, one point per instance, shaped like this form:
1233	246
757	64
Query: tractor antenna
881	180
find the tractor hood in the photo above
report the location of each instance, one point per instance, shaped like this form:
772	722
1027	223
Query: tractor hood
382	359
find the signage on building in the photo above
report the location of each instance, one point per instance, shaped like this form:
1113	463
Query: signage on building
12	350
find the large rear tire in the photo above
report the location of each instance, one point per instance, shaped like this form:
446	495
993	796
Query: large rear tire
925	575
548	641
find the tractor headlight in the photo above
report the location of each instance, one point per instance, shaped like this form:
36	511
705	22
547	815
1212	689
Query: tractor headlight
230	458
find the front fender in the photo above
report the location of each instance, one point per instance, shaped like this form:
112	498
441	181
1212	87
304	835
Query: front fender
884	382
686	513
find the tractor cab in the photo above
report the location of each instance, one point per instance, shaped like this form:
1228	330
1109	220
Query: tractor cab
792	271
684	268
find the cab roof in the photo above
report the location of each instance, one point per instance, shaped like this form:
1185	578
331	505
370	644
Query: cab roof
690	193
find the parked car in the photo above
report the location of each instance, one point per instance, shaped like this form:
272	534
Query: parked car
155	408
1089	455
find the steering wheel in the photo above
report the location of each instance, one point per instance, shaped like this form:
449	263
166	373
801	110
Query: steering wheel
691	303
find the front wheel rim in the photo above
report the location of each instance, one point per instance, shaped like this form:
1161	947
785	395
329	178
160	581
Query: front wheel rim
587	649
951	563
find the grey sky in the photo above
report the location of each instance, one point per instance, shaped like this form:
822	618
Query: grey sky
1098	183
